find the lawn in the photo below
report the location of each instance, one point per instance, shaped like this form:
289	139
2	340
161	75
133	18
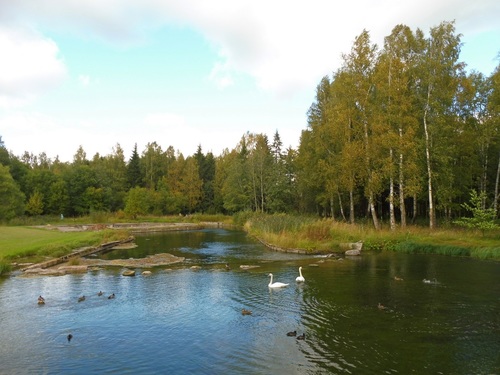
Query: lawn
36	242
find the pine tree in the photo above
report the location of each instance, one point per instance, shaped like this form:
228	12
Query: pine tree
134	171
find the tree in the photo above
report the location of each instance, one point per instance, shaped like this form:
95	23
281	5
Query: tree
493	108
359	65
437	87
395	77
482	218
35	204
236	188
134	172
154	162
11	197
137	202
192	185
4	154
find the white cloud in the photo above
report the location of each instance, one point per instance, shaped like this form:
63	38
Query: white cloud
221	76
29	66
285	45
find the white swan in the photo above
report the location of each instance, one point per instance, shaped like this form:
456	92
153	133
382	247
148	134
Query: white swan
276	284
300	279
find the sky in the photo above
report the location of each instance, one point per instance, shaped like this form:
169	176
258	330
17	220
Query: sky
192	73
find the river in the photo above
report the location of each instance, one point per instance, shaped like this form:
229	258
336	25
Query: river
181	320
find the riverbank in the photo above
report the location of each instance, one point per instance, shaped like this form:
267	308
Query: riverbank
312	235
27	247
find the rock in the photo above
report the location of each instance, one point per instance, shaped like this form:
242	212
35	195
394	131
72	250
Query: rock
146	273
128	273
246	267
73	269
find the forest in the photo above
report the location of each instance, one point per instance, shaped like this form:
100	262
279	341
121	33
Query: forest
398	134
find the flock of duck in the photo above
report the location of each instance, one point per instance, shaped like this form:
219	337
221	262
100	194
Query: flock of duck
41	301
277	284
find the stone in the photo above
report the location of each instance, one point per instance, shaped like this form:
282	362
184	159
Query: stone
128	273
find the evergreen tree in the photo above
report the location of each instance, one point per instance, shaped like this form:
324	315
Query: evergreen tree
134	171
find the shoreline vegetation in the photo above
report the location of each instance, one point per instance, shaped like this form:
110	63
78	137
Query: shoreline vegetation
23	245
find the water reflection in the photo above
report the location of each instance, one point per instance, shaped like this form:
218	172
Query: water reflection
190	321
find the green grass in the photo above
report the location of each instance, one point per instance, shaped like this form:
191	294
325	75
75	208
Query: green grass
35	244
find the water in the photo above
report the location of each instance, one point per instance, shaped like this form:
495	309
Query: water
181	321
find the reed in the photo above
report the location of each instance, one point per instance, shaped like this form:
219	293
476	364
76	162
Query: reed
326	235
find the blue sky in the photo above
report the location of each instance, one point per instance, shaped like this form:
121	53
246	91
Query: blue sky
183	74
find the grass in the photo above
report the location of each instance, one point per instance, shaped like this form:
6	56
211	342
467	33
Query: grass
325	235
29	244
22	242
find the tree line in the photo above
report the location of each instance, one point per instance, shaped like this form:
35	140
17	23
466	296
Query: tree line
397	133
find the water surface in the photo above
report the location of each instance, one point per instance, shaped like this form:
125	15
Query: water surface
180	320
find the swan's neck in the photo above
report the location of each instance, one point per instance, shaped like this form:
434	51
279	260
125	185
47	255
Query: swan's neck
270	282
300	272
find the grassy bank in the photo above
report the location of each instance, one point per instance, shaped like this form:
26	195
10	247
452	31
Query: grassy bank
29	244
325	235
22	242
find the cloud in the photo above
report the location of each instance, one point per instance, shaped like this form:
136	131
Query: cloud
171	129
221	76
284	45
29	66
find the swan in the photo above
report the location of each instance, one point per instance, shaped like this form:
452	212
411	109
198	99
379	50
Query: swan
300	279
276	284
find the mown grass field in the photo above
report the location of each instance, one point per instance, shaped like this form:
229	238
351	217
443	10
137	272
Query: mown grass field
33	244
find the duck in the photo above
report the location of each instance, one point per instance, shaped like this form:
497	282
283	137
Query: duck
111	296
100	293
276	284
381	307
301	337
300	279
70	336
245	312
292	333
81	299
41	300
